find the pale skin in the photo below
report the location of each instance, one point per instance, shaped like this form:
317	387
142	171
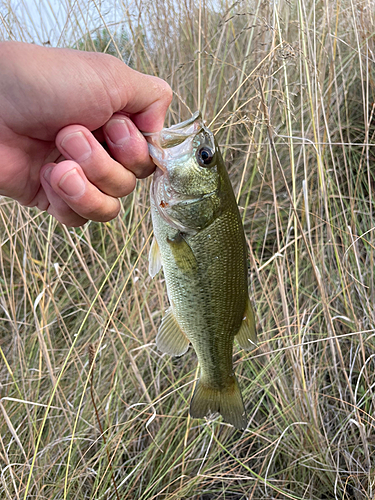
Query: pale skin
58	107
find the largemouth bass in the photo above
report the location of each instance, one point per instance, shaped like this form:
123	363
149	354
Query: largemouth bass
200	243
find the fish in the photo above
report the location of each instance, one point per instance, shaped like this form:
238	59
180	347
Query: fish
199	242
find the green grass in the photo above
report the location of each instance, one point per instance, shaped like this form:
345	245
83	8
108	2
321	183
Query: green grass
290	91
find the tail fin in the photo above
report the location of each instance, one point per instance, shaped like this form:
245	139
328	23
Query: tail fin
227	401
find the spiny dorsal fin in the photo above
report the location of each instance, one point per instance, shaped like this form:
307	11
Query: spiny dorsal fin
247	335
170	338
154	259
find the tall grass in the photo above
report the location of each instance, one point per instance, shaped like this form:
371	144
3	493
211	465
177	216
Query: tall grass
289	89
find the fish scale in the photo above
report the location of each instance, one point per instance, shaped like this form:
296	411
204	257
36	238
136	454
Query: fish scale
200	243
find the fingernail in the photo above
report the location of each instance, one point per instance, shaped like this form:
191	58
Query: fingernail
47	174
72	183
117	131
77	146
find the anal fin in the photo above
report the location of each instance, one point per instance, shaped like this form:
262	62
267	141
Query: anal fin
247	335
170	338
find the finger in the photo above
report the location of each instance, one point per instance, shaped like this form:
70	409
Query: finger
69	182
77	143
40	200
145	98
149	116
57	206
92	86
128	145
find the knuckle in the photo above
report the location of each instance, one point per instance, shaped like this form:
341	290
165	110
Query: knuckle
99	175
104	211
168	94
128	186
67	216
164	90
116	185
111	214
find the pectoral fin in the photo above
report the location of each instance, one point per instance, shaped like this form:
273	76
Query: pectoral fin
183	254
170	338
247	336
154	259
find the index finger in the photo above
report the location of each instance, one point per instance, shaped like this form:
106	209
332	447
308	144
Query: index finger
144	98
149	103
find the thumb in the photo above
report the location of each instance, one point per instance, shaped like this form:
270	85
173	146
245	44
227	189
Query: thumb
60	87
144	98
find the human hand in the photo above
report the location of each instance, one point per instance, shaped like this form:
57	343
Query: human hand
56	108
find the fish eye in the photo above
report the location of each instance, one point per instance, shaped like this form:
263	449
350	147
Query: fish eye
204	156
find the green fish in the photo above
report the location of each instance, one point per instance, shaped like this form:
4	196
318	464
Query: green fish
200	243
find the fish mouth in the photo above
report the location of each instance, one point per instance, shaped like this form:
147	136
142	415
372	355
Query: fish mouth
174	142
174	135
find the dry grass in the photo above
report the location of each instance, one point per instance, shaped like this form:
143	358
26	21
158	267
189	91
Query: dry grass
290	90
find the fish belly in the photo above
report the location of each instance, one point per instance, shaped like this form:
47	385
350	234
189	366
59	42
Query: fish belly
207	287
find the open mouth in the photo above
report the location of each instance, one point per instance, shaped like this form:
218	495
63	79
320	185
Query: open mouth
173	142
